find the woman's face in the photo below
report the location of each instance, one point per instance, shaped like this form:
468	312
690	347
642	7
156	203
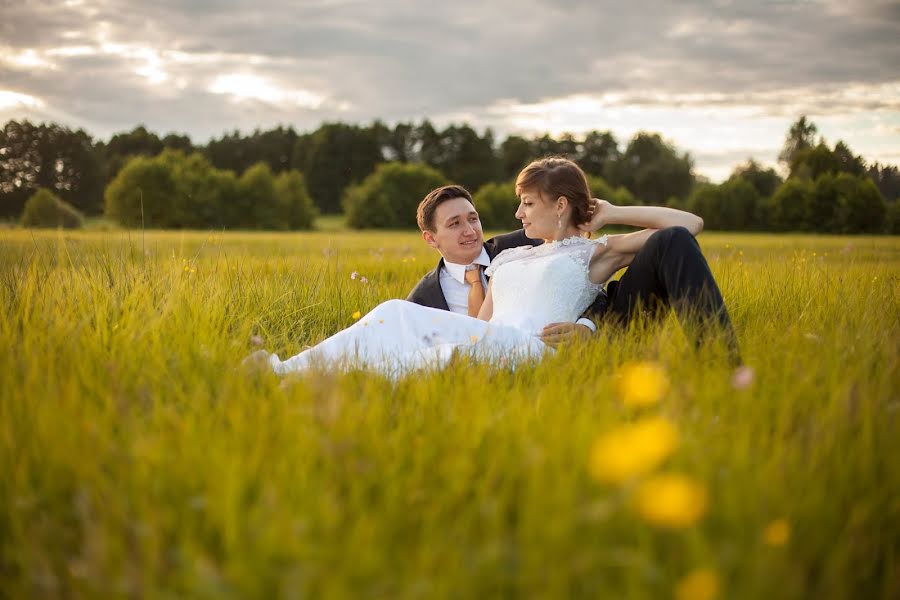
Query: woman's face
539	217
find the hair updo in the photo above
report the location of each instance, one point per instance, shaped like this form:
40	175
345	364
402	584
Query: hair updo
554	177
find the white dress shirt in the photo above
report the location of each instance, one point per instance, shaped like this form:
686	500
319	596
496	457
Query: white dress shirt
456	288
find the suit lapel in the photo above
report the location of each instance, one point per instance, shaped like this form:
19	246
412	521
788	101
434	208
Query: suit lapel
432	284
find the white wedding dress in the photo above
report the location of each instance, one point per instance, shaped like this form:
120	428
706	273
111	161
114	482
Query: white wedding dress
533	286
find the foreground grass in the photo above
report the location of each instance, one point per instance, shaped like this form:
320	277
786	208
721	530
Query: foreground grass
138	461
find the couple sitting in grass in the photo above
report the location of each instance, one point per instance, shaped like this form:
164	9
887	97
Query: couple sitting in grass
519	294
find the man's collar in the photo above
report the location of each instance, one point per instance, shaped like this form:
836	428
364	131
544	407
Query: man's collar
458	272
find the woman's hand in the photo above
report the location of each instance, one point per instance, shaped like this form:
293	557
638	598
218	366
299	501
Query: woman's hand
599	212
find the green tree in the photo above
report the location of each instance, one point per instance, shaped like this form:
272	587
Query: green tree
143	193
739	205
786	209
887	179
568	146
256	188
496	204
823	203
338	155
48	156
847	161
176	141
123	146
237	152
653	170
545	146
706	201
813	162
398	144
138	142
892	218
295	203
388	198
619	196
766	181
45	209
515	154
861	208
465	157
599	152
201	190
431	147
801	136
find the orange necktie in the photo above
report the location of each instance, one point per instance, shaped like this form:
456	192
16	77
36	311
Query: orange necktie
476	291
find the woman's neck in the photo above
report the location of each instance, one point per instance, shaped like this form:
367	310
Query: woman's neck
565	232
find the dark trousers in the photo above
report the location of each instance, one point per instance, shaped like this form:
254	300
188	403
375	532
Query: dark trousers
671	271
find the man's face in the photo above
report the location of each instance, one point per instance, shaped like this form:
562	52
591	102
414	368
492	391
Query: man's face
457	231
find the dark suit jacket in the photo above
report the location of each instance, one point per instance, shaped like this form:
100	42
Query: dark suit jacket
428	291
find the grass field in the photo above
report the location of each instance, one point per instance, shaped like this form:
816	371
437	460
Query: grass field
138	461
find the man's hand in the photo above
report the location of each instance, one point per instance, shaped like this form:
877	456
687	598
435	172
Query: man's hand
599	213
555	334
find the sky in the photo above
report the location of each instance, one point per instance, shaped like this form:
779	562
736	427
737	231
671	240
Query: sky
721	80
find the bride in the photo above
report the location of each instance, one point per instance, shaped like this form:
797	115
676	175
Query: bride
530	286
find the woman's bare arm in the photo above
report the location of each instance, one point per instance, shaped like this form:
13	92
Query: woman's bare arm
620	249
649	217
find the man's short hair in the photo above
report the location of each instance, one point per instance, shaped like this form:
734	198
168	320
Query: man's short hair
428	205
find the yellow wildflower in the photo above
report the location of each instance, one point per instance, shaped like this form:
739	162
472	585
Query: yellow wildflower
356	315
642	384
777	533
632	450
699	584
672	501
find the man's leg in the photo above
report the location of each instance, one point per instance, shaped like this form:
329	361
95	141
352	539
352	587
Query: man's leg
670	270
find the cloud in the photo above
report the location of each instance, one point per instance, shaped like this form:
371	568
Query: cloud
205	67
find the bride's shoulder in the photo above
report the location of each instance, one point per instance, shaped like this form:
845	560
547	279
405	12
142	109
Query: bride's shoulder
600	244
508	255
583	245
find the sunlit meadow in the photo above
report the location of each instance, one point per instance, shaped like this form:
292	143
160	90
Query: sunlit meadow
140	460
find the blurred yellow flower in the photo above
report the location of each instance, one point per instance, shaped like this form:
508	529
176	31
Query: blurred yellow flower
699	584
642	383
356	315
777	533
672	501
632	450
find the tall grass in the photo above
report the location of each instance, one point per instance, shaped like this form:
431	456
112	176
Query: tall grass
138	460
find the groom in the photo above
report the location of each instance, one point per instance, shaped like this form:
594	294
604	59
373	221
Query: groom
450	225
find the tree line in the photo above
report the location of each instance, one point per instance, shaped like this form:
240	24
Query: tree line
280	179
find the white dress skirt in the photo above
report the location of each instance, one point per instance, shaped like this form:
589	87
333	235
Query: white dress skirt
531	287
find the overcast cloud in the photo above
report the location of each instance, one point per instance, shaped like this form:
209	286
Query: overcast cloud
722	80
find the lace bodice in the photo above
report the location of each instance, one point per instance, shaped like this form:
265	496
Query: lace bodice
534	286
